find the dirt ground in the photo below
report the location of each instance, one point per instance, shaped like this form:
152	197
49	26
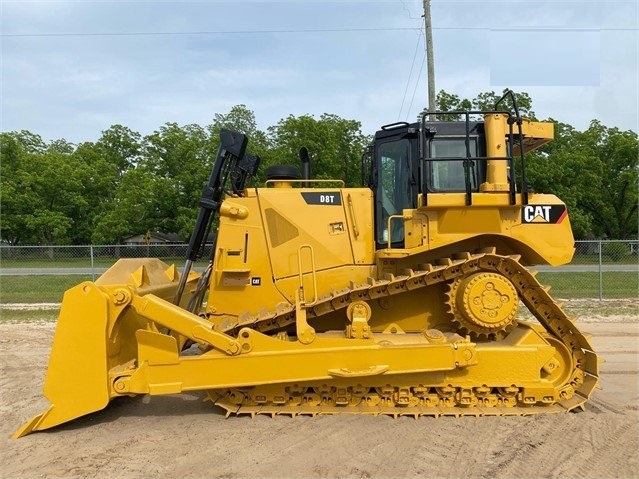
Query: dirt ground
182	436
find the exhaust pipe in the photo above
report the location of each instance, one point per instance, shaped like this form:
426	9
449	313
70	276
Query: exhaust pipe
306	166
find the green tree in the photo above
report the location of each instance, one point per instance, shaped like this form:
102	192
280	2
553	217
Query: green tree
116	151
595	173
487	101
239	118
484	101
159	190
120	147
42	188
131	211
30	142
14	202
553	168
450	102
180	159
335	145
611	196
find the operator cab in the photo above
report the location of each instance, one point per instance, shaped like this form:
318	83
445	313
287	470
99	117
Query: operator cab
407	160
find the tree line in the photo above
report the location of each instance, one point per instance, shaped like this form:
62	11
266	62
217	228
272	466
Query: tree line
125	183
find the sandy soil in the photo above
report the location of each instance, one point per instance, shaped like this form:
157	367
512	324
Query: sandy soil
181	436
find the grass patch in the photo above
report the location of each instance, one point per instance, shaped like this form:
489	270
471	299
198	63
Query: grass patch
37	289
66	262
616	284
605	259
48	263
29	316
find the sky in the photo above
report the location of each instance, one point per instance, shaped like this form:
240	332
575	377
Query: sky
70	69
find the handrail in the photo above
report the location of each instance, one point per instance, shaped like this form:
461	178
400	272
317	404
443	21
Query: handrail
351	209
390	236
343	184
303	302
469	160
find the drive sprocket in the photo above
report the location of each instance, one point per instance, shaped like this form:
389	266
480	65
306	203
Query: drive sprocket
483	305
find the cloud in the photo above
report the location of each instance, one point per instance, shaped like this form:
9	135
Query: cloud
544	58
75	86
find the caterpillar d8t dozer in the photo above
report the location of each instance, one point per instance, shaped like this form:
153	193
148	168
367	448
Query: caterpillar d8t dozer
401	297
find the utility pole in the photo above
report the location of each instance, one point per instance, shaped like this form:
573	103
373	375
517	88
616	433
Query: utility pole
430	62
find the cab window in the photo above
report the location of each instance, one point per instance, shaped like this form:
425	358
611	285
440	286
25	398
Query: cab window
448	174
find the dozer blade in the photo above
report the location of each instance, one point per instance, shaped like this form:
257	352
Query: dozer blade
76	380
95	333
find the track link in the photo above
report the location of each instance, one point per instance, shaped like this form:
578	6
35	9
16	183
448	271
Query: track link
421	400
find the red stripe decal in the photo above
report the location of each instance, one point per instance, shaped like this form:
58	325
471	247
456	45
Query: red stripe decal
563	215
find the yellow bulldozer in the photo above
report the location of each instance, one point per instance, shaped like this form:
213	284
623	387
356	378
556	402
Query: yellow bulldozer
400	297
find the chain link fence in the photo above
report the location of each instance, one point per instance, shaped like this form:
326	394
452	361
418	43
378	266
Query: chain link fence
603	269
34	274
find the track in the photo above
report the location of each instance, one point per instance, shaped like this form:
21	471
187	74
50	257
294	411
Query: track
422	400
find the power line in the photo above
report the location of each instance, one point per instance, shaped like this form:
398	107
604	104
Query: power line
211	32
410	74
419	75
410	15
313	30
